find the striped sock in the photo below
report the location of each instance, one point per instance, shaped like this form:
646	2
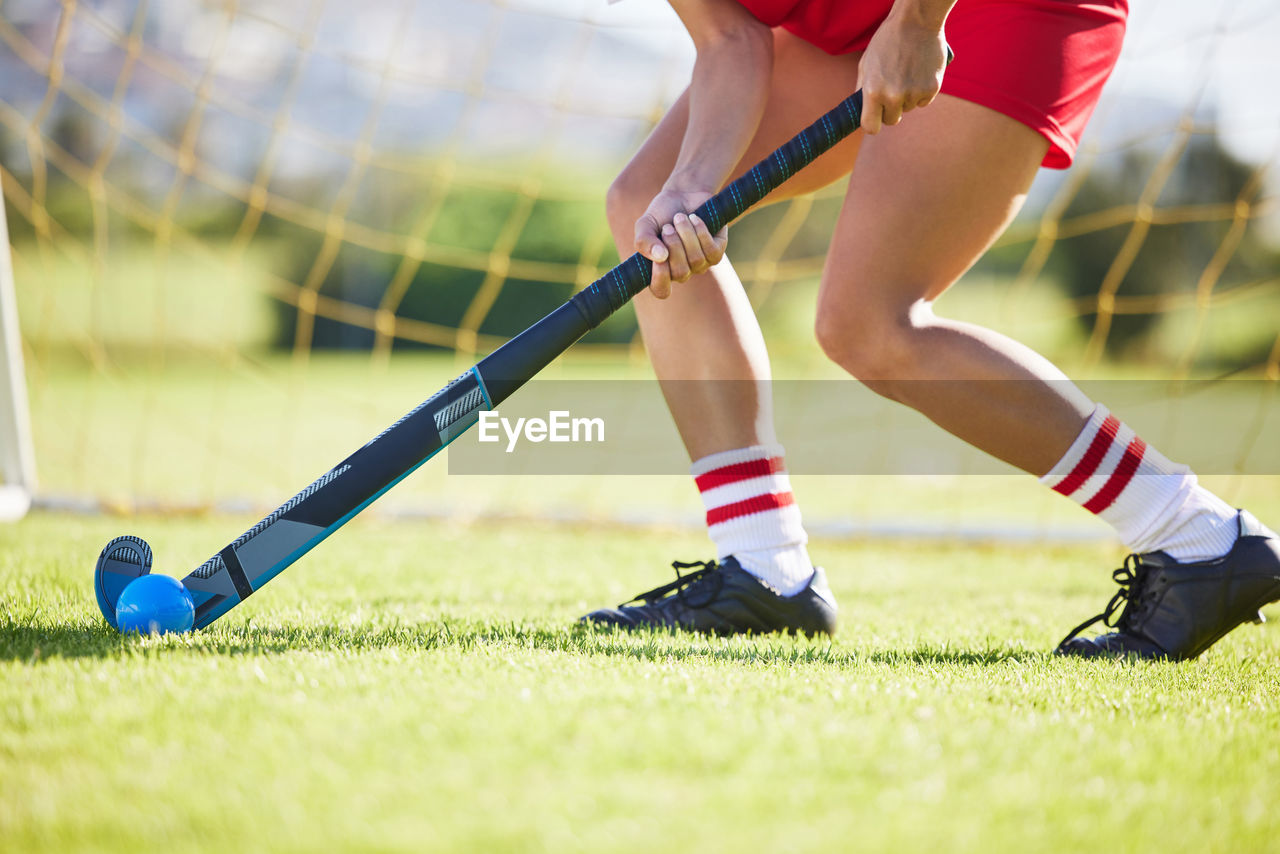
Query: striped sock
752	515
1154	504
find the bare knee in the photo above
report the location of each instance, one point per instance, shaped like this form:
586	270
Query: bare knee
879	345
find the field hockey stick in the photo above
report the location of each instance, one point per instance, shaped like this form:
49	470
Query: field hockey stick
301	523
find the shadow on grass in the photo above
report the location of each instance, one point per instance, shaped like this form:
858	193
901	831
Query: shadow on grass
34	643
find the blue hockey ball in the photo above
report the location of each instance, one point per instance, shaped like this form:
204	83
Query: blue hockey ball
155	604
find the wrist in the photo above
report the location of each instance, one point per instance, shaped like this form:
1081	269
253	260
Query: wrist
690	182
929	15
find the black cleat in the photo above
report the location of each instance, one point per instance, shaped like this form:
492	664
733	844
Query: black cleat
1178	610
725	599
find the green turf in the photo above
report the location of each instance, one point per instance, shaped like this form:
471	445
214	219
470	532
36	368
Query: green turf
421	687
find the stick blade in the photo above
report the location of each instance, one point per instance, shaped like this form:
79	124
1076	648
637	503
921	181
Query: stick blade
122	560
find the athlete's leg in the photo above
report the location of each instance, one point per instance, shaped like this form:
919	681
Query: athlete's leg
925	201
706	330
710	357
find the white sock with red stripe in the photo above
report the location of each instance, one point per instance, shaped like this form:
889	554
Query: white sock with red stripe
752	515
1154	504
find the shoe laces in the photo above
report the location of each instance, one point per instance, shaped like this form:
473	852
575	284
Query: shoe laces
1128	603
706	582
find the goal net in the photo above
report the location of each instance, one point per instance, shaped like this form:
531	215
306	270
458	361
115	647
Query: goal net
248	235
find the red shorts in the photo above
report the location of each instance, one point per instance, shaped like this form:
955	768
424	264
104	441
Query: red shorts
1041	62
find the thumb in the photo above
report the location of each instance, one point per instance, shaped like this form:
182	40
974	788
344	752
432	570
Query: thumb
872	109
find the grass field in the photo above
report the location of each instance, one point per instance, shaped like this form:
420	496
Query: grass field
422	687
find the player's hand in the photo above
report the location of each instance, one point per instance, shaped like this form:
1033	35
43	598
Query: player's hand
678	243
900	70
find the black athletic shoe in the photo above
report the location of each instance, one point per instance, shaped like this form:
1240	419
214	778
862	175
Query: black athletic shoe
725	599
1178	610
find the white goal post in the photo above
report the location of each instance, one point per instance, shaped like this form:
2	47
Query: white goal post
17	454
